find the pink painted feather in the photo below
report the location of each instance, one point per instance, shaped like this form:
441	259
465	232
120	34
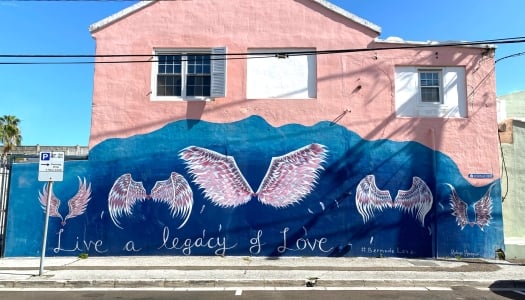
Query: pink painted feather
78	204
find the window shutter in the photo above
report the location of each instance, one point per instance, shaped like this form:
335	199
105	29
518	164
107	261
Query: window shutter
218	72
406	91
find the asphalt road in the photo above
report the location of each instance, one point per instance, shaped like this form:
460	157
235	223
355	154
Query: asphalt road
464	293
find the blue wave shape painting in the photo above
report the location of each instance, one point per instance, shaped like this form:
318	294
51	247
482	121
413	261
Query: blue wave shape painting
248	188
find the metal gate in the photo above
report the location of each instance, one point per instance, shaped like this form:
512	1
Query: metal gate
4	191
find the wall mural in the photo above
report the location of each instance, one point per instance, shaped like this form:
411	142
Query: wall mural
77	204
174	192
188	189
290	177
417	200
482	209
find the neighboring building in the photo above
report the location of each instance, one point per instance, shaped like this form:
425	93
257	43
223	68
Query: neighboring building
512	136
276	128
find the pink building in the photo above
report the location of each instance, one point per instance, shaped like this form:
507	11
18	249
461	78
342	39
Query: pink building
373	92
289	128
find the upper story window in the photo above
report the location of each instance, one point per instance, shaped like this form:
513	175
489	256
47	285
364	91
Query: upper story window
430	86
430	92
271	76
184	75
188	75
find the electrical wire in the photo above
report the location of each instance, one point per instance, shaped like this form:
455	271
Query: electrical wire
242	55
503	168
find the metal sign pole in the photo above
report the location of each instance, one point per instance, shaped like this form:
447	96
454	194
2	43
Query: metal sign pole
46	223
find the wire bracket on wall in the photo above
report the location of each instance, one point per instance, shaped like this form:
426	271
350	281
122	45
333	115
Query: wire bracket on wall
339	117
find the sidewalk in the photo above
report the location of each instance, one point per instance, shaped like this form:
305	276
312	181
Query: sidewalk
217	272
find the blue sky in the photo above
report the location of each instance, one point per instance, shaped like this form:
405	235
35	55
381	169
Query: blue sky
53	102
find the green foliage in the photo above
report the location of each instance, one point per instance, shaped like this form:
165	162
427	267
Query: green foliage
10	133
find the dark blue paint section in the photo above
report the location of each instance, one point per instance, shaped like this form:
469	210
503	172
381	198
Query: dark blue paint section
325	223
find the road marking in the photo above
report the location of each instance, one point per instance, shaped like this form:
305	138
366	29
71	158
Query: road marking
238	292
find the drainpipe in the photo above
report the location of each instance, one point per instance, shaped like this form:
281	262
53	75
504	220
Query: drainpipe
434	168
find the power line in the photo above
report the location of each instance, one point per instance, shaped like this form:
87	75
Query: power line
243	55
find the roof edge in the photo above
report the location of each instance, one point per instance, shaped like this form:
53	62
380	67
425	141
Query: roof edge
119	15
349	15
398	40
137	6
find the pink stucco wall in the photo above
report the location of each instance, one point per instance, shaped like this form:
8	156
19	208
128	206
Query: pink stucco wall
121	96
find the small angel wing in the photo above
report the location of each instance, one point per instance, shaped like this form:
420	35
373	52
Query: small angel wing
459	208
483	209
292	176
369	197
53	205
77	204
418	199
123	195
218	175
175	192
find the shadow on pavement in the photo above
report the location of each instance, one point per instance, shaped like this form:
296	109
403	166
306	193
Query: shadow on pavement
511	289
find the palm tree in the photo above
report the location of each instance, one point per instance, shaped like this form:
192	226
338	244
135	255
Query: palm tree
10	134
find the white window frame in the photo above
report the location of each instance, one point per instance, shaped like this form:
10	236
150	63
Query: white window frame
217	73
438	86
453	98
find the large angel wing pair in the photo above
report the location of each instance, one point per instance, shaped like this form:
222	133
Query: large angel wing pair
416	200
174	191
77	204
289	178
482	209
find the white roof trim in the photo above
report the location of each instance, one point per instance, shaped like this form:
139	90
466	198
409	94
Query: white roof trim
119	15
398	40
137	6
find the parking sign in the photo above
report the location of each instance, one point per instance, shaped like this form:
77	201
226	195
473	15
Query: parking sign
51	166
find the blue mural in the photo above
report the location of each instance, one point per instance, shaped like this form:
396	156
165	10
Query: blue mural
248	188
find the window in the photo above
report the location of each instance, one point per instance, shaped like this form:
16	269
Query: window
280	77
430	86
430	92
188	75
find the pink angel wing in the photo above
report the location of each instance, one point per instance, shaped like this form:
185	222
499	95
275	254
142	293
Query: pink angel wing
53	205
459	208
369	197
175	192
218	175
483	209
123	195
418	199
292	176
77	204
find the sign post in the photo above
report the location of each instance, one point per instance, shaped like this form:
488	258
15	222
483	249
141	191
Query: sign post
50	169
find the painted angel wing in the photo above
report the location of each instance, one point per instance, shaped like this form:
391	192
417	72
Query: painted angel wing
175	192
418	199
123	195
292	176
218	175
483	209
459	208
77	204
369	197
53	205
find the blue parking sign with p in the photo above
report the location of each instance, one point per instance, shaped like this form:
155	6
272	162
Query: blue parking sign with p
45	156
